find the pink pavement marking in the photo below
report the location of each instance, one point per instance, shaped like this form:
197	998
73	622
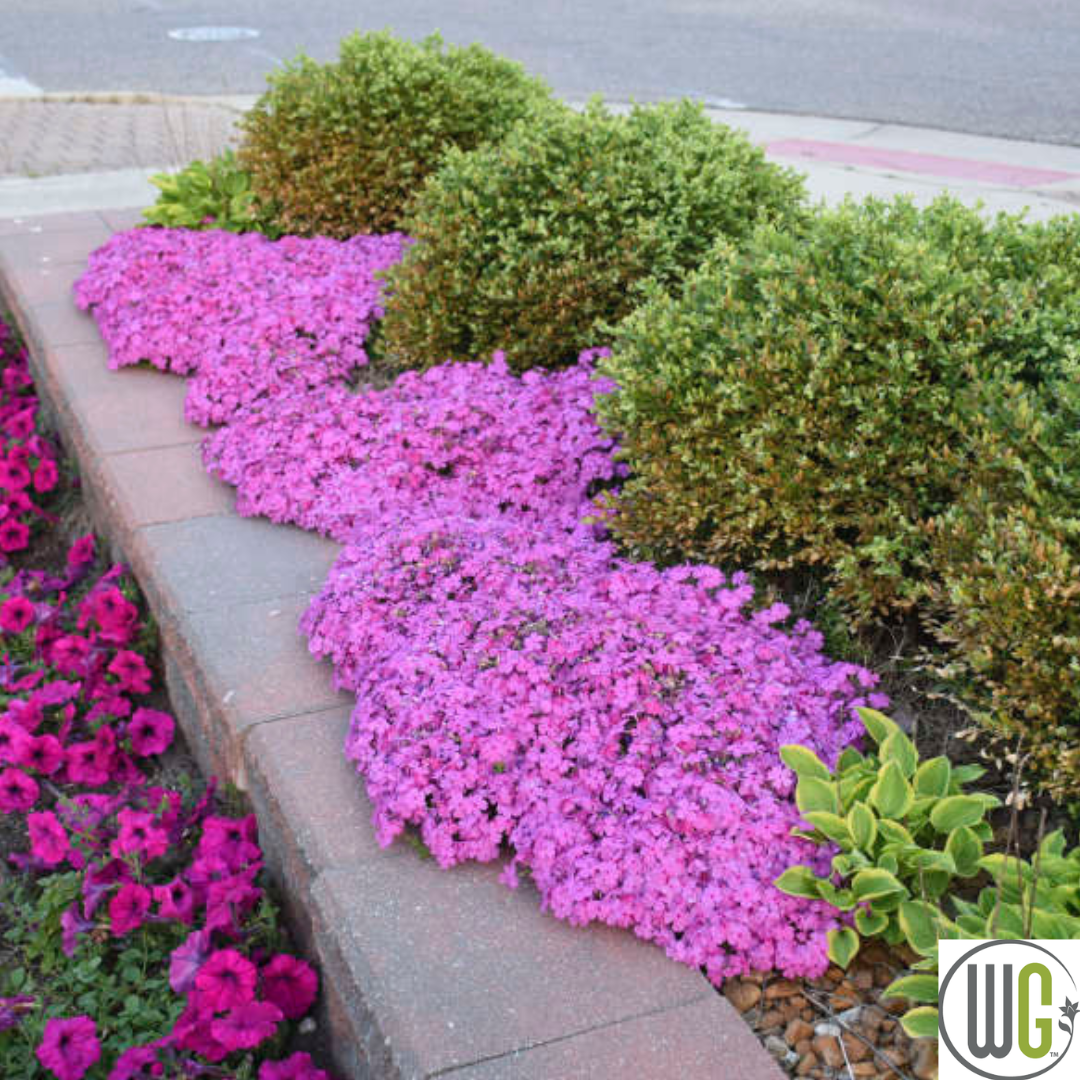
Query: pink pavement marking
989	172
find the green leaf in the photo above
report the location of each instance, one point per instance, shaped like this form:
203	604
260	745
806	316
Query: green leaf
869	922
919	922
814	794
917	987
875	884
832	825
891	795
921	1023
899	748
932	777
863	826
843	946
967	774
804	762
878	725
955	811
798	881
966	850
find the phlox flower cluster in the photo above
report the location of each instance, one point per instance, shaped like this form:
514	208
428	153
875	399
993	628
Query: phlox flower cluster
468	439
28	467
241	315
524	688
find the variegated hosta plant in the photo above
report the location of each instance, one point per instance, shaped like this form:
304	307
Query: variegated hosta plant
906	831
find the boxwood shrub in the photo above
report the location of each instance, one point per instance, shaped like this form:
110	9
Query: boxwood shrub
533	244
336	149
886	396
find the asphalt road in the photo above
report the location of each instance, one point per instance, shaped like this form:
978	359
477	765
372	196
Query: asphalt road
993	67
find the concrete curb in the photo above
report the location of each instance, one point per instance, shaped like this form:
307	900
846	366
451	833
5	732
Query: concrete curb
425	973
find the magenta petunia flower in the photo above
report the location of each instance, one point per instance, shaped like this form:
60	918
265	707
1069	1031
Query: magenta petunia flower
46	475
176	900
128	908
245	1026
18	792
226	980
139	835
297	1067
69	1047
137	1063
187	961
72	924
131	670
16	615
69	654
150	732
42	753
13	1009
14	536
82	552
13	737
48	840
291	984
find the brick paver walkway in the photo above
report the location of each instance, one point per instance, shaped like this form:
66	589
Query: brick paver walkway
43	137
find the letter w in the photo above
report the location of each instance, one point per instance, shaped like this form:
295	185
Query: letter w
990	1046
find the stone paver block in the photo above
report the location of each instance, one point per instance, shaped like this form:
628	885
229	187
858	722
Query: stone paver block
62	323
206	563
113	411
40	284
298	774
39	249
165	484
704	1040
456	968
69	221
247	663
122	220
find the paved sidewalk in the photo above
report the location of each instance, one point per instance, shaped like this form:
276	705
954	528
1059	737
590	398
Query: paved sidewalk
96	152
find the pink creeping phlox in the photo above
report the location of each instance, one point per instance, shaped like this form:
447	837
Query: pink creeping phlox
518	682
244	316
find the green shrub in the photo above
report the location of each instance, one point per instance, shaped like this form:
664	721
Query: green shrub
533	244
1006	590
208	195
810	399
335	149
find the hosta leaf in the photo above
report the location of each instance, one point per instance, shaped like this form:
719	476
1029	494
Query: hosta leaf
863	826
956	810
869	922
804	762
798	881
921	1023
922	988
966	850
932	777
843	946
878	726
832	825
814	794
899	748
891	794
873	884
919	923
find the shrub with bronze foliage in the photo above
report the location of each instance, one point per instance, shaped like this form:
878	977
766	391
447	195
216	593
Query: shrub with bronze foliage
530	246
336	149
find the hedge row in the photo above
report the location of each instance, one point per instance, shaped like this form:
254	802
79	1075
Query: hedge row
881	396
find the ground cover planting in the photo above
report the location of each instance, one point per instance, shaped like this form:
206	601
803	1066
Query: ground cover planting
136	939
542	602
